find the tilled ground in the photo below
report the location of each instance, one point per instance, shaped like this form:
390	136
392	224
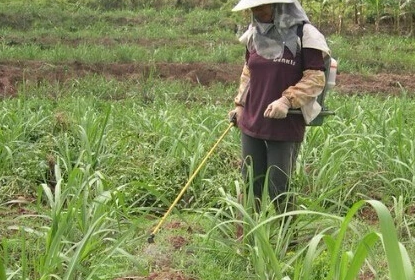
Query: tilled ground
14	72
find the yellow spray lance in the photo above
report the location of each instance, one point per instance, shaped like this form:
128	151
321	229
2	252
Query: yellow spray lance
157	228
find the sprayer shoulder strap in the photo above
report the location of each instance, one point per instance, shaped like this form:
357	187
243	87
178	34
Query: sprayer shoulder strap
300	32
300	35
327	59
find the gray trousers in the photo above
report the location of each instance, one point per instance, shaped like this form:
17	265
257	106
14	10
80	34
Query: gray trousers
275	157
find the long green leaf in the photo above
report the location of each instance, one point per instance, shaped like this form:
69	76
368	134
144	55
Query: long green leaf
397	269
76	258
335	264
409	271
310	256
360	255
2	268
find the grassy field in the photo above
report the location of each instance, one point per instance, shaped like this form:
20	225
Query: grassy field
96	141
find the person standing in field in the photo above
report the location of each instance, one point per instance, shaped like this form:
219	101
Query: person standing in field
281	72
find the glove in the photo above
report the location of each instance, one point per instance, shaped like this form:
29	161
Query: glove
278	109
235	114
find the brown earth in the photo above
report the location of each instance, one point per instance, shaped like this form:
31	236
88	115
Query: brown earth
12	73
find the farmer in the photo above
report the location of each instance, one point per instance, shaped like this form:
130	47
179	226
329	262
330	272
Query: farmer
278	75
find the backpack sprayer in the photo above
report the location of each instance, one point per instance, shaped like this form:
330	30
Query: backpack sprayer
330	75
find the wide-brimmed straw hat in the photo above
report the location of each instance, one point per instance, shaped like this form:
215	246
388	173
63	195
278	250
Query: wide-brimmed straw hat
247	4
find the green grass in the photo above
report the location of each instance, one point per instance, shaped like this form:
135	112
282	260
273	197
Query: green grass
98	160
373	53
143	148
172	35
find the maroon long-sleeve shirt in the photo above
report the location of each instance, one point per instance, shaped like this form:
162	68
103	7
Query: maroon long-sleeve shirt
268	79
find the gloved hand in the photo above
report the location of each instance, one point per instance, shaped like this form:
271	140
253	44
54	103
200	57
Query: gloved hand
235	114
278	109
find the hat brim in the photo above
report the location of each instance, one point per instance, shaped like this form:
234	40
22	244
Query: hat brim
247	4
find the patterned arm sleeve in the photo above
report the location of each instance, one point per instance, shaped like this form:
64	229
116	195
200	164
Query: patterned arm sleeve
243	87
307	89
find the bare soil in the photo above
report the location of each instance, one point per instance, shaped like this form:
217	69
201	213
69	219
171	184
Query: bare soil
12	73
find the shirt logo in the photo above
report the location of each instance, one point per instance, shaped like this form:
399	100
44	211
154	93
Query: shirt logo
285	61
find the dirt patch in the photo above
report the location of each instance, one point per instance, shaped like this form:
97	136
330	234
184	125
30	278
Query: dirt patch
167	274
368	215
7	88
161	255
383	84
13	73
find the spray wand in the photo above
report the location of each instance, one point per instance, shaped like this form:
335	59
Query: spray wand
157	228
